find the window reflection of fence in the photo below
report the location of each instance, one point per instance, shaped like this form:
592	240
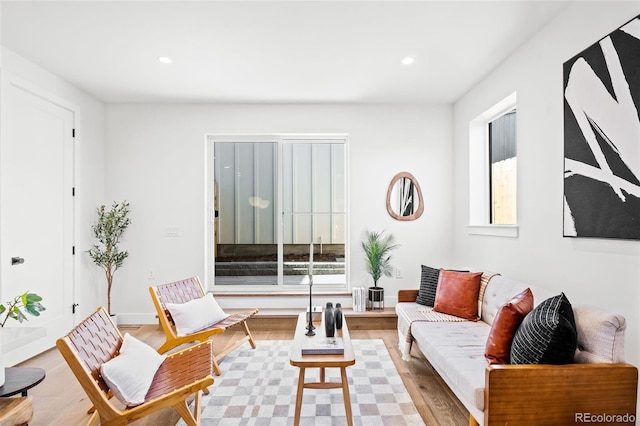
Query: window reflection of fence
503	191
318	228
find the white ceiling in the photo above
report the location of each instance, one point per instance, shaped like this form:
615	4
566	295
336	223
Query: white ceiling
272	51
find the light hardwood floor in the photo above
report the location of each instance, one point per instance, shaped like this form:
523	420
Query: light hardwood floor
59	399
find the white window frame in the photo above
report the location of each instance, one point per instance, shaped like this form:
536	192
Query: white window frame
479	176
280	139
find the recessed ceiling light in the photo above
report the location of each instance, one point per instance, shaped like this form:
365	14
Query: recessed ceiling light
164	60
407	61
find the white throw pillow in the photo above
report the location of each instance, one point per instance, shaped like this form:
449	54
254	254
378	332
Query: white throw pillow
129	375
195	314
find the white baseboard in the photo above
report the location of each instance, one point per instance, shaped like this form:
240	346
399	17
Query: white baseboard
124	319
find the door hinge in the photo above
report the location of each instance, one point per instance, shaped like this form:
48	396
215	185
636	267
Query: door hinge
73	308
73	250
73	133
73	191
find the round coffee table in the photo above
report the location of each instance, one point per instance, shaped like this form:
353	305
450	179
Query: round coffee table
17	380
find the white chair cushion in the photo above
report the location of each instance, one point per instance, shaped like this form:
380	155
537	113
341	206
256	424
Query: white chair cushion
195	314
129	375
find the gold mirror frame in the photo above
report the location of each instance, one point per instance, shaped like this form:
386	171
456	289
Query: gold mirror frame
417	195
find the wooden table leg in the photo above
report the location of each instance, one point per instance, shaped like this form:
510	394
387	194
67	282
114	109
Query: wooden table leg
346	396
296	419
322	375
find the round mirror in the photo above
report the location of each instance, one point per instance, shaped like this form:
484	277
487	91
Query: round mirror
404	197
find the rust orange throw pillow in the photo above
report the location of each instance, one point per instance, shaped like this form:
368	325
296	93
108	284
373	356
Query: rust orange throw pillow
457	294
505	325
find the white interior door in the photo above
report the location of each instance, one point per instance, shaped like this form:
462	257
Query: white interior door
36	213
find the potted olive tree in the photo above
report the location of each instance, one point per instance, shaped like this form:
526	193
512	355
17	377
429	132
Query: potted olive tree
377	248
108	230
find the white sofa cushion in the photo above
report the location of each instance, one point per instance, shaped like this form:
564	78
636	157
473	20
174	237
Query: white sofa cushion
600	335
500	290
456	351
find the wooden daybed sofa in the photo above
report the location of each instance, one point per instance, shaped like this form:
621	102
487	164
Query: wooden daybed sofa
597	385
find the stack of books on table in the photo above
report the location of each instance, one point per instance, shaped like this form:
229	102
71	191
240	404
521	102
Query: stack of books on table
359	295
323	346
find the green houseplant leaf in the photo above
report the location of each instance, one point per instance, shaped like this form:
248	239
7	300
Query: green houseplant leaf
29	302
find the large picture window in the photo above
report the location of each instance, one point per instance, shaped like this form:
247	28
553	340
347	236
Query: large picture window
272	200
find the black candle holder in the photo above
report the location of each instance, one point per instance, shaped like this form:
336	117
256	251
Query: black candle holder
310	327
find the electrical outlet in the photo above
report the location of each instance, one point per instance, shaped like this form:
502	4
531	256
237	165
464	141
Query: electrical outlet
150	275
172	232
398	272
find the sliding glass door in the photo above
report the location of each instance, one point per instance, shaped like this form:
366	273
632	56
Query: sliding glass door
275	201
314	211
245	191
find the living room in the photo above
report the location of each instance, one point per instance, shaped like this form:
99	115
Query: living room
151	153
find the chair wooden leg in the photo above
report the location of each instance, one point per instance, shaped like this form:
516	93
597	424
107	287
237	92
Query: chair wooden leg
248	333
472	421
183	409
166	346
93	408
232	347
197	406
94	417
216	367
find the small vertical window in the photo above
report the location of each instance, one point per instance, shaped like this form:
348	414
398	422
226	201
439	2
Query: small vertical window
493	170
503	169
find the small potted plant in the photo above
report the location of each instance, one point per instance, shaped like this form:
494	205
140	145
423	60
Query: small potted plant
25	303
377	248
29	302
108	230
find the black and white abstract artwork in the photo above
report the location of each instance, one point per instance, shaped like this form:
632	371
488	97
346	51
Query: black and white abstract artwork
602	137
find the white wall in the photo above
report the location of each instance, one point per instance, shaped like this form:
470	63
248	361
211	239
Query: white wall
155	157
589	271
89	169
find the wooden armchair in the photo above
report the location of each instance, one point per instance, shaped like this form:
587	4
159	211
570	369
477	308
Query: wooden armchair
182	292
97	340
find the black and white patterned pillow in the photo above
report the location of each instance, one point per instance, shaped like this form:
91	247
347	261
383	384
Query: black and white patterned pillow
547	335
428	286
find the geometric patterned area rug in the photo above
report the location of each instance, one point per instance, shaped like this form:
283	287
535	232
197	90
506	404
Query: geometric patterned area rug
258	387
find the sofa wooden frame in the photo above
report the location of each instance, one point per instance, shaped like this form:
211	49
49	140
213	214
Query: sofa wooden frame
553	394
183	291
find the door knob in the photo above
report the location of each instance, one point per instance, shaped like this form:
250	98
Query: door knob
17	260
